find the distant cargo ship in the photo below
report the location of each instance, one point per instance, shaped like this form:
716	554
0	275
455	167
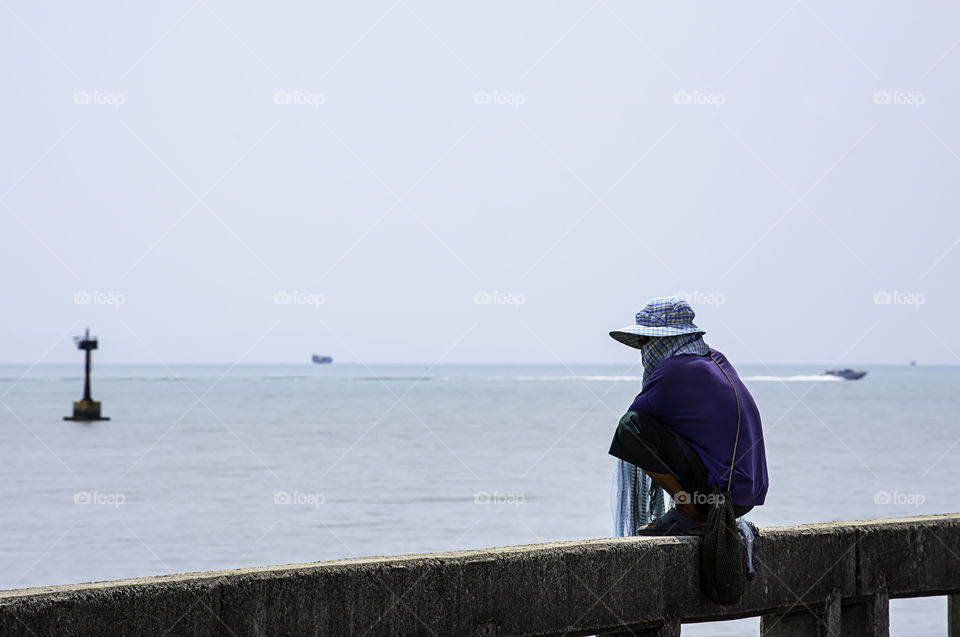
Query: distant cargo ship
322	359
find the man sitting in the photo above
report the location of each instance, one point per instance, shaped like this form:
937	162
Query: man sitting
691	418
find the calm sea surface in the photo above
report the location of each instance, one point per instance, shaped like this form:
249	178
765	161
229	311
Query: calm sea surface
214	466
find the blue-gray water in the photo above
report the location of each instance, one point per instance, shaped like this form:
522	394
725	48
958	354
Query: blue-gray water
216	466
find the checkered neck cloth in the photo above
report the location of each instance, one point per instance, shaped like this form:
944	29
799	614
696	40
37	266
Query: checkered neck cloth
660	348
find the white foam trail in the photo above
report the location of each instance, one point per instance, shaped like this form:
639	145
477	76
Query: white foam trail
552	378
801	378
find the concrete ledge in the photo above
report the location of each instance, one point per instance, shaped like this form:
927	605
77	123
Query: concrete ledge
543	589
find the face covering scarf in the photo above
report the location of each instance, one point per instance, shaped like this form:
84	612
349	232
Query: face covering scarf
636	500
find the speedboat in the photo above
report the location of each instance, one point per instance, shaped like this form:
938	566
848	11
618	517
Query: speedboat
849	374
322	359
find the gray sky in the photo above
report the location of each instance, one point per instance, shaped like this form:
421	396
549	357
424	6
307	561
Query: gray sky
172	176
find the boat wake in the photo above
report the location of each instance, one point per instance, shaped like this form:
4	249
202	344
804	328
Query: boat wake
552	378
816	378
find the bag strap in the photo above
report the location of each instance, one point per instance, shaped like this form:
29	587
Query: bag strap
737	439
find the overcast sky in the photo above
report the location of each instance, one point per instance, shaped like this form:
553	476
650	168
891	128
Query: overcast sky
489	182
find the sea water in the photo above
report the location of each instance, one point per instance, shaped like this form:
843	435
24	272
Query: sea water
205	467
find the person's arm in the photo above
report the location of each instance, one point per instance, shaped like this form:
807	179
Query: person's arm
649	401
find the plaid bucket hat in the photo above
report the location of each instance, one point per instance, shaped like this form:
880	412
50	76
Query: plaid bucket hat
662	316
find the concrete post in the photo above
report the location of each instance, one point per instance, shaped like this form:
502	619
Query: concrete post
806	622
802	623
953	615
870	618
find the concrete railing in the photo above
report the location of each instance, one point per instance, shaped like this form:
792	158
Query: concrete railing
817	579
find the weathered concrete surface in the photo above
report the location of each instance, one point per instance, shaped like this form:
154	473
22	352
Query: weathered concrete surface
545	589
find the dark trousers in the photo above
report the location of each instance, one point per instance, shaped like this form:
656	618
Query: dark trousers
644	441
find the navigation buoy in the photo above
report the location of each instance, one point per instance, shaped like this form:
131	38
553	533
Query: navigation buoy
87	408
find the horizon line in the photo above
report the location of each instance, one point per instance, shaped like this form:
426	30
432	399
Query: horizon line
435	364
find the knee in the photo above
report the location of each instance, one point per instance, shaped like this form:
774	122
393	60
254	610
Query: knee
639	426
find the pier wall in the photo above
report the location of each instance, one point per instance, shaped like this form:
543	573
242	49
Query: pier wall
816	579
